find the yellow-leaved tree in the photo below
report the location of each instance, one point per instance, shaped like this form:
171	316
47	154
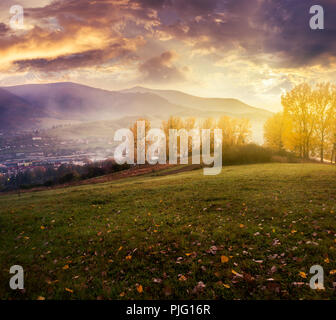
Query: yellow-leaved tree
234	131
300	111
274	132
307	125
322	100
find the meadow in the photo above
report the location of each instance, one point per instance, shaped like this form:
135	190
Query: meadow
252	232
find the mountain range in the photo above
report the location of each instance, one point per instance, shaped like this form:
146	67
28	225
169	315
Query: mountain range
34	106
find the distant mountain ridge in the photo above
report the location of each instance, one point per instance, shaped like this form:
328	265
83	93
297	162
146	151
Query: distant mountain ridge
70	101
226	105
39	105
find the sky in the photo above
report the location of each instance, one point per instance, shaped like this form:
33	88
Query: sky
252	50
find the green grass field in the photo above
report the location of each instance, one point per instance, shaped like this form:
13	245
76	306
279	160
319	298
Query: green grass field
252	232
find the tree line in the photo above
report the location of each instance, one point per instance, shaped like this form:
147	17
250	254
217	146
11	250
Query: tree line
236	137
48	175
235	132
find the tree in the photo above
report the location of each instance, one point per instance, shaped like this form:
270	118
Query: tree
243	131
322	101
234	131
208	123
134	130
228	130
274	130
172	123
332	136
189	124
299	109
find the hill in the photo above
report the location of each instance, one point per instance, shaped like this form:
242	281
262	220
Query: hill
206	106
252	232
15	112
44	105
214	107
70	101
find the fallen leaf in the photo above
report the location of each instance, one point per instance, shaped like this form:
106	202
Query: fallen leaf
298	284
139	288
213	250
237	274
182	278
258	261
199	287
224	259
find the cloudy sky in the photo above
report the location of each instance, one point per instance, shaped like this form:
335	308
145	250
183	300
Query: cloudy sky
252	50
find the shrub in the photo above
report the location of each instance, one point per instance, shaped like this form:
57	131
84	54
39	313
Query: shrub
244	154
67	178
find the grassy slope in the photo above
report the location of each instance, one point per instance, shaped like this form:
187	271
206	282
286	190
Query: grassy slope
78	238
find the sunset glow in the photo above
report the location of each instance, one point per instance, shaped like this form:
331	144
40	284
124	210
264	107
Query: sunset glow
249	50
